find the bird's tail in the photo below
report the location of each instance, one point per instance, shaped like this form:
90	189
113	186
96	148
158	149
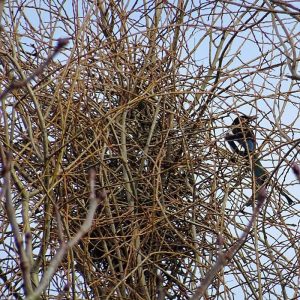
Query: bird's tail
287	197
261	177
260	173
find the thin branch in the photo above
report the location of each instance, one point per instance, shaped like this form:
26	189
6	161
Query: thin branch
224	258
60	254
16	84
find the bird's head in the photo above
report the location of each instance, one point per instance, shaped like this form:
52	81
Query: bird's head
243	120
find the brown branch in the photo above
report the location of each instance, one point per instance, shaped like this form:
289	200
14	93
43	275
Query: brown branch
6	193
16	84
224	258
60	254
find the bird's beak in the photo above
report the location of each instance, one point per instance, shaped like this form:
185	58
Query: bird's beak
252	118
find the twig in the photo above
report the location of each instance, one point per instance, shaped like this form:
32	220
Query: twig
296	170
11	214
20	83
58	257
224	258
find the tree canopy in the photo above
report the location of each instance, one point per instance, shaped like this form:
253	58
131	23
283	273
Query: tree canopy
117	182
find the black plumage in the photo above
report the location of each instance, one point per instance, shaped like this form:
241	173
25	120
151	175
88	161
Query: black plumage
243	134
